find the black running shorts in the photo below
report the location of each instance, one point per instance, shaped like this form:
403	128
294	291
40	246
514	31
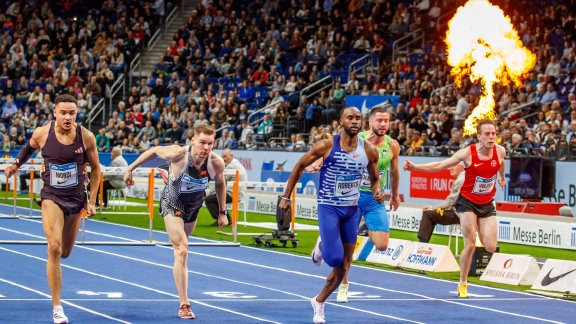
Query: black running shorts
463	205
189	215
70	203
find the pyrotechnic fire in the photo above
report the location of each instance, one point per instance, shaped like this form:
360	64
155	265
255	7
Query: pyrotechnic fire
483	44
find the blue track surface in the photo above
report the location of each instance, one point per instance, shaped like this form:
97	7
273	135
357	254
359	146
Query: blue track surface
134	284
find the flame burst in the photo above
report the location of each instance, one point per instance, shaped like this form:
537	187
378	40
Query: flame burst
483	44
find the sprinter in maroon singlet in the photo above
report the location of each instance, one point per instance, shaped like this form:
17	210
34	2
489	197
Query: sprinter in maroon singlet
475	205
66	148
191	167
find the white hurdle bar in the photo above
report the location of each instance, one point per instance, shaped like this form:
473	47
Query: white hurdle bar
7	162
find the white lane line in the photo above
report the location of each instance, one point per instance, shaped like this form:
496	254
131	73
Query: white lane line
320	277
138	285
257	300
240	282
63	301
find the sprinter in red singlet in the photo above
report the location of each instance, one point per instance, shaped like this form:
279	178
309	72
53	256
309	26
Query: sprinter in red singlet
66	148
475	204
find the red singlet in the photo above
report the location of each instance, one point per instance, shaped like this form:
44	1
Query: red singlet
480	181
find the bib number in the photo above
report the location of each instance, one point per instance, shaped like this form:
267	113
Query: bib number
63	176
189	184
484	186
366	178
347	186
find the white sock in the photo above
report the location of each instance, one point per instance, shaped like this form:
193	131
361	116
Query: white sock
463	282
344	285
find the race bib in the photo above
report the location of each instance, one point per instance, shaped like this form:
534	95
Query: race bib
366	178
484	186
347	186
63	176
189	184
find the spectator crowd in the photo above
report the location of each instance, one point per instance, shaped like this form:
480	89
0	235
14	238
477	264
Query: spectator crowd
274	74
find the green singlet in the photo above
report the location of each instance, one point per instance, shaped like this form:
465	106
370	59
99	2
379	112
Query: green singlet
384	157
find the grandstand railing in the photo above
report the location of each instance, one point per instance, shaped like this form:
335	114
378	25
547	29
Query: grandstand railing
117	86
151	43
181	12
260	113
135	64
402	44
521	107
436	91
95	112
325	83
170	19
366	60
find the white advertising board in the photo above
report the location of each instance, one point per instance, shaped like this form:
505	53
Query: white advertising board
511	269
557	275
393	255
430	257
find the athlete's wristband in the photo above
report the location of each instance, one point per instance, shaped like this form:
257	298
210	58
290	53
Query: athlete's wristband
285	198
223	212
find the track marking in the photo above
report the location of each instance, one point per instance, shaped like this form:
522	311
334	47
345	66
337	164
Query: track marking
243	283
310	275
137	285
63	301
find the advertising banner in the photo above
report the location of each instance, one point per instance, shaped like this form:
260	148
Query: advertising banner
511	269
430	185
430	257
393	255
557	275
365	103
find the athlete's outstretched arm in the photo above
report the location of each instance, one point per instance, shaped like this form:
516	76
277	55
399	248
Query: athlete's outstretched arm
220	186
26	151
394	175
92	157
172	154
319	150
463	155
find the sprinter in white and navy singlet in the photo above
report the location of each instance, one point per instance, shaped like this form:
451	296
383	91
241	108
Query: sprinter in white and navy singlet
344	158
189	171
341	175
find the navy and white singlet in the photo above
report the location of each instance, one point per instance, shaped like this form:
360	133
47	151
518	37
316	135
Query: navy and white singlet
184	193
341	175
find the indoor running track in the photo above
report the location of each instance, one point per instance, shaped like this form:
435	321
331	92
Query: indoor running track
134	284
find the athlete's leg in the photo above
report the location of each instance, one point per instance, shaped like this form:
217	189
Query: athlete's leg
487	231
53	225
335	277
69	233
347	227
468	225
178	232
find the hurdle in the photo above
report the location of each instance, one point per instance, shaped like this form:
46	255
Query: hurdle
254	184
149	172
7	162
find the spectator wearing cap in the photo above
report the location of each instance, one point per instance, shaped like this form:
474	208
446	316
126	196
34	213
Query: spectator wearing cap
415	143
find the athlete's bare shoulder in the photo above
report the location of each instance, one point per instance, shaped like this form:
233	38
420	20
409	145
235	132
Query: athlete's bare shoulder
39	136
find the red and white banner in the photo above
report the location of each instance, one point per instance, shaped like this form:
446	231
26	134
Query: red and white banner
430	185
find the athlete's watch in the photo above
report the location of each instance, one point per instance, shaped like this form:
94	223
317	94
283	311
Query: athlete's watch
223	212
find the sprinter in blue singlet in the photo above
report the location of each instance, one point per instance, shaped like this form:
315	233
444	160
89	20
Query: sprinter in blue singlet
344	159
